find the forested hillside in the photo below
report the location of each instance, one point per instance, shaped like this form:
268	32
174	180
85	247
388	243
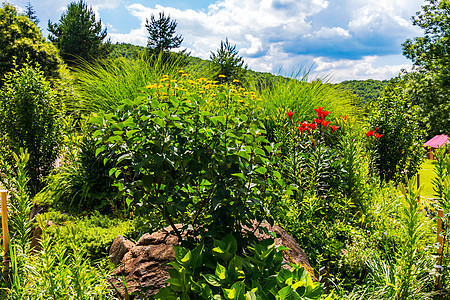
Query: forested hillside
366	90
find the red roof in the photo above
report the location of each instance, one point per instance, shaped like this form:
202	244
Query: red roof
437	141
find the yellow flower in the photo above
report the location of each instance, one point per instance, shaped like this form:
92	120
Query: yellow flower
173	80
235	80
184	75
165	76
222	76
180	71
241	89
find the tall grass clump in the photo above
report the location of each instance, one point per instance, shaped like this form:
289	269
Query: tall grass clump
295	93
103	84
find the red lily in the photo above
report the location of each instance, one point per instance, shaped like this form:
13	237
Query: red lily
290	114
378	135
325	123
333	128
369	133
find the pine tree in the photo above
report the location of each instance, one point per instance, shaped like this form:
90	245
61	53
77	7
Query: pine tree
78	35
162	34
227	62
31	14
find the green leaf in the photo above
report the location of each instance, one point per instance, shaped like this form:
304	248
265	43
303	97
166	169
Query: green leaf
212	279
240	175
261	170
285	293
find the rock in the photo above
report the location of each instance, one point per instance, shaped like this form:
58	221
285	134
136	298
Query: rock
119	247
294	255
144	270
37	233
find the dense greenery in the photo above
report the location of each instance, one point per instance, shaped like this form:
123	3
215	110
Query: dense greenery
149	142
21	41
78	35
428	84
367	90
29	119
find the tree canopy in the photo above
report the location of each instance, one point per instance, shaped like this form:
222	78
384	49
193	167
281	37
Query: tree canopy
21	40
78	35
226	62
428	84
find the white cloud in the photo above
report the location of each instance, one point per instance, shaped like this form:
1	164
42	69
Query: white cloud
366	68
329	33
274	34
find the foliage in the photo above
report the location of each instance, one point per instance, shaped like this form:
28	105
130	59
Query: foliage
396	135
56	272
175	159
95	232
227	63
127	51
295	93
162	34
221	273
20	203
103	85
429	53
367	90
411	262
81	182
441	187
29	119
21	41
78	35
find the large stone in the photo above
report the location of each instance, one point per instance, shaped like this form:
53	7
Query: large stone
144	270
119	247
35	243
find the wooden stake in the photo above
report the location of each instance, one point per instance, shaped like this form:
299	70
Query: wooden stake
5	230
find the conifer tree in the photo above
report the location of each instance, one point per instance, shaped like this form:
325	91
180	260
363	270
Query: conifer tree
78	35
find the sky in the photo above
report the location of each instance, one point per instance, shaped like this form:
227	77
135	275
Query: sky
335	40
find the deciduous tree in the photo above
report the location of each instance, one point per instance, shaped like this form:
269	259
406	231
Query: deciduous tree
21	40
428	84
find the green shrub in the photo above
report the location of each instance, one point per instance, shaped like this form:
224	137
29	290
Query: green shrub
29	119
82	183
57	271
21	41
221	273
396	135
187	165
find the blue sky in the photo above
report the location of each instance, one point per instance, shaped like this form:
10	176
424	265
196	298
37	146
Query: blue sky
337	39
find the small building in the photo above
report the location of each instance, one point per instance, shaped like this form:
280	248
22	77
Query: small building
434	143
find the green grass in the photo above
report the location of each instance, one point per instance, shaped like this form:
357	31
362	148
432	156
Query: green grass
426	177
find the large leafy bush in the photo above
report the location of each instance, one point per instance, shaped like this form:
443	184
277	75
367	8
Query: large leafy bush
29	119
396	134
191	153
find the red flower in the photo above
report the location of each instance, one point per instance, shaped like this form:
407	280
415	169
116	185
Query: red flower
344	117
319	110
312	126
325	113
290	114
376	129
333	128
325	123
369	133
318	121
378	135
